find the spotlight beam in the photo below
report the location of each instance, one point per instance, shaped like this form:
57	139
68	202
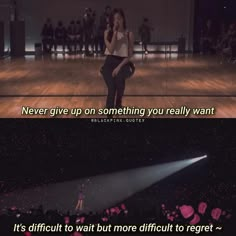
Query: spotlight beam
100	192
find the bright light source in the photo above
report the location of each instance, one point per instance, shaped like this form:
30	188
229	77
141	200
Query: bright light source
199	158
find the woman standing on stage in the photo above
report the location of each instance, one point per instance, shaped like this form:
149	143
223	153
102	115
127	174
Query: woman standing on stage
119	50
80	203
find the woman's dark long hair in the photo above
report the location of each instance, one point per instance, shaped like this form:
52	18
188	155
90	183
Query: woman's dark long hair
111	21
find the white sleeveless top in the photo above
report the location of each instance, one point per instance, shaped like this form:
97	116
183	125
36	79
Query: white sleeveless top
121	48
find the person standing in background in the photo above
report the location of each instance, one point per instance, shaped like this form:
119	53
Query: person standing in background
80	203
207	38
145	34
102	27
79	36
47	35
71	34
101	30
88	29
60	36
95	34
105	19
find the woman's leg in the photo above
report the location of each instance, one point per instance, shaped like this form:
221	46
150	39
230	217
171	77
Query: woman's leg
120	85
78	205
110	82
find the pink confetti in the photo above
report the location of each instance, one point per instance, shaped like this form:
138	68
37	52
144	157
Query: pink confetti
202	208
67	219
195	220
171	218
77	234
13	208
104	219
27	234
82	219
216	213
117	209
123	207
112	210
186	211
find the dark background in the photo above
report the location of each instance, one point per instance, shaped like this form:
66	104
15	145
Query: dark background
52	150
170	18
219	11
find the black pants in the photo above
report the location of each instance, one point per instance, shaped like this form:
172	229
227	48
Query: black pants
58	42
47	45
87	41
98	42
115	85
71	45
145	40
79	44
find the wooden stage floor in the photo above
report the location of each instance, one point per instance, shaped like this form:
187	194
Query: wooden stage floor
159	82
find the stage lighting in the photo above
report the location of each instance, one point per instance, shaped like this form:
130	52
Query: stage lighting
101	192
197	159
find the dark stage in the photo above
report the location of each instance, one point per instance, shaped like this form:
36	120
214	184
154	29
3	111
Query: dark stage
42	164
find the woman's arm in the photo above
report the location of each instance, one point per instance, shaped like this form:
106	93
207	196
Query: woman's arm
110	45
